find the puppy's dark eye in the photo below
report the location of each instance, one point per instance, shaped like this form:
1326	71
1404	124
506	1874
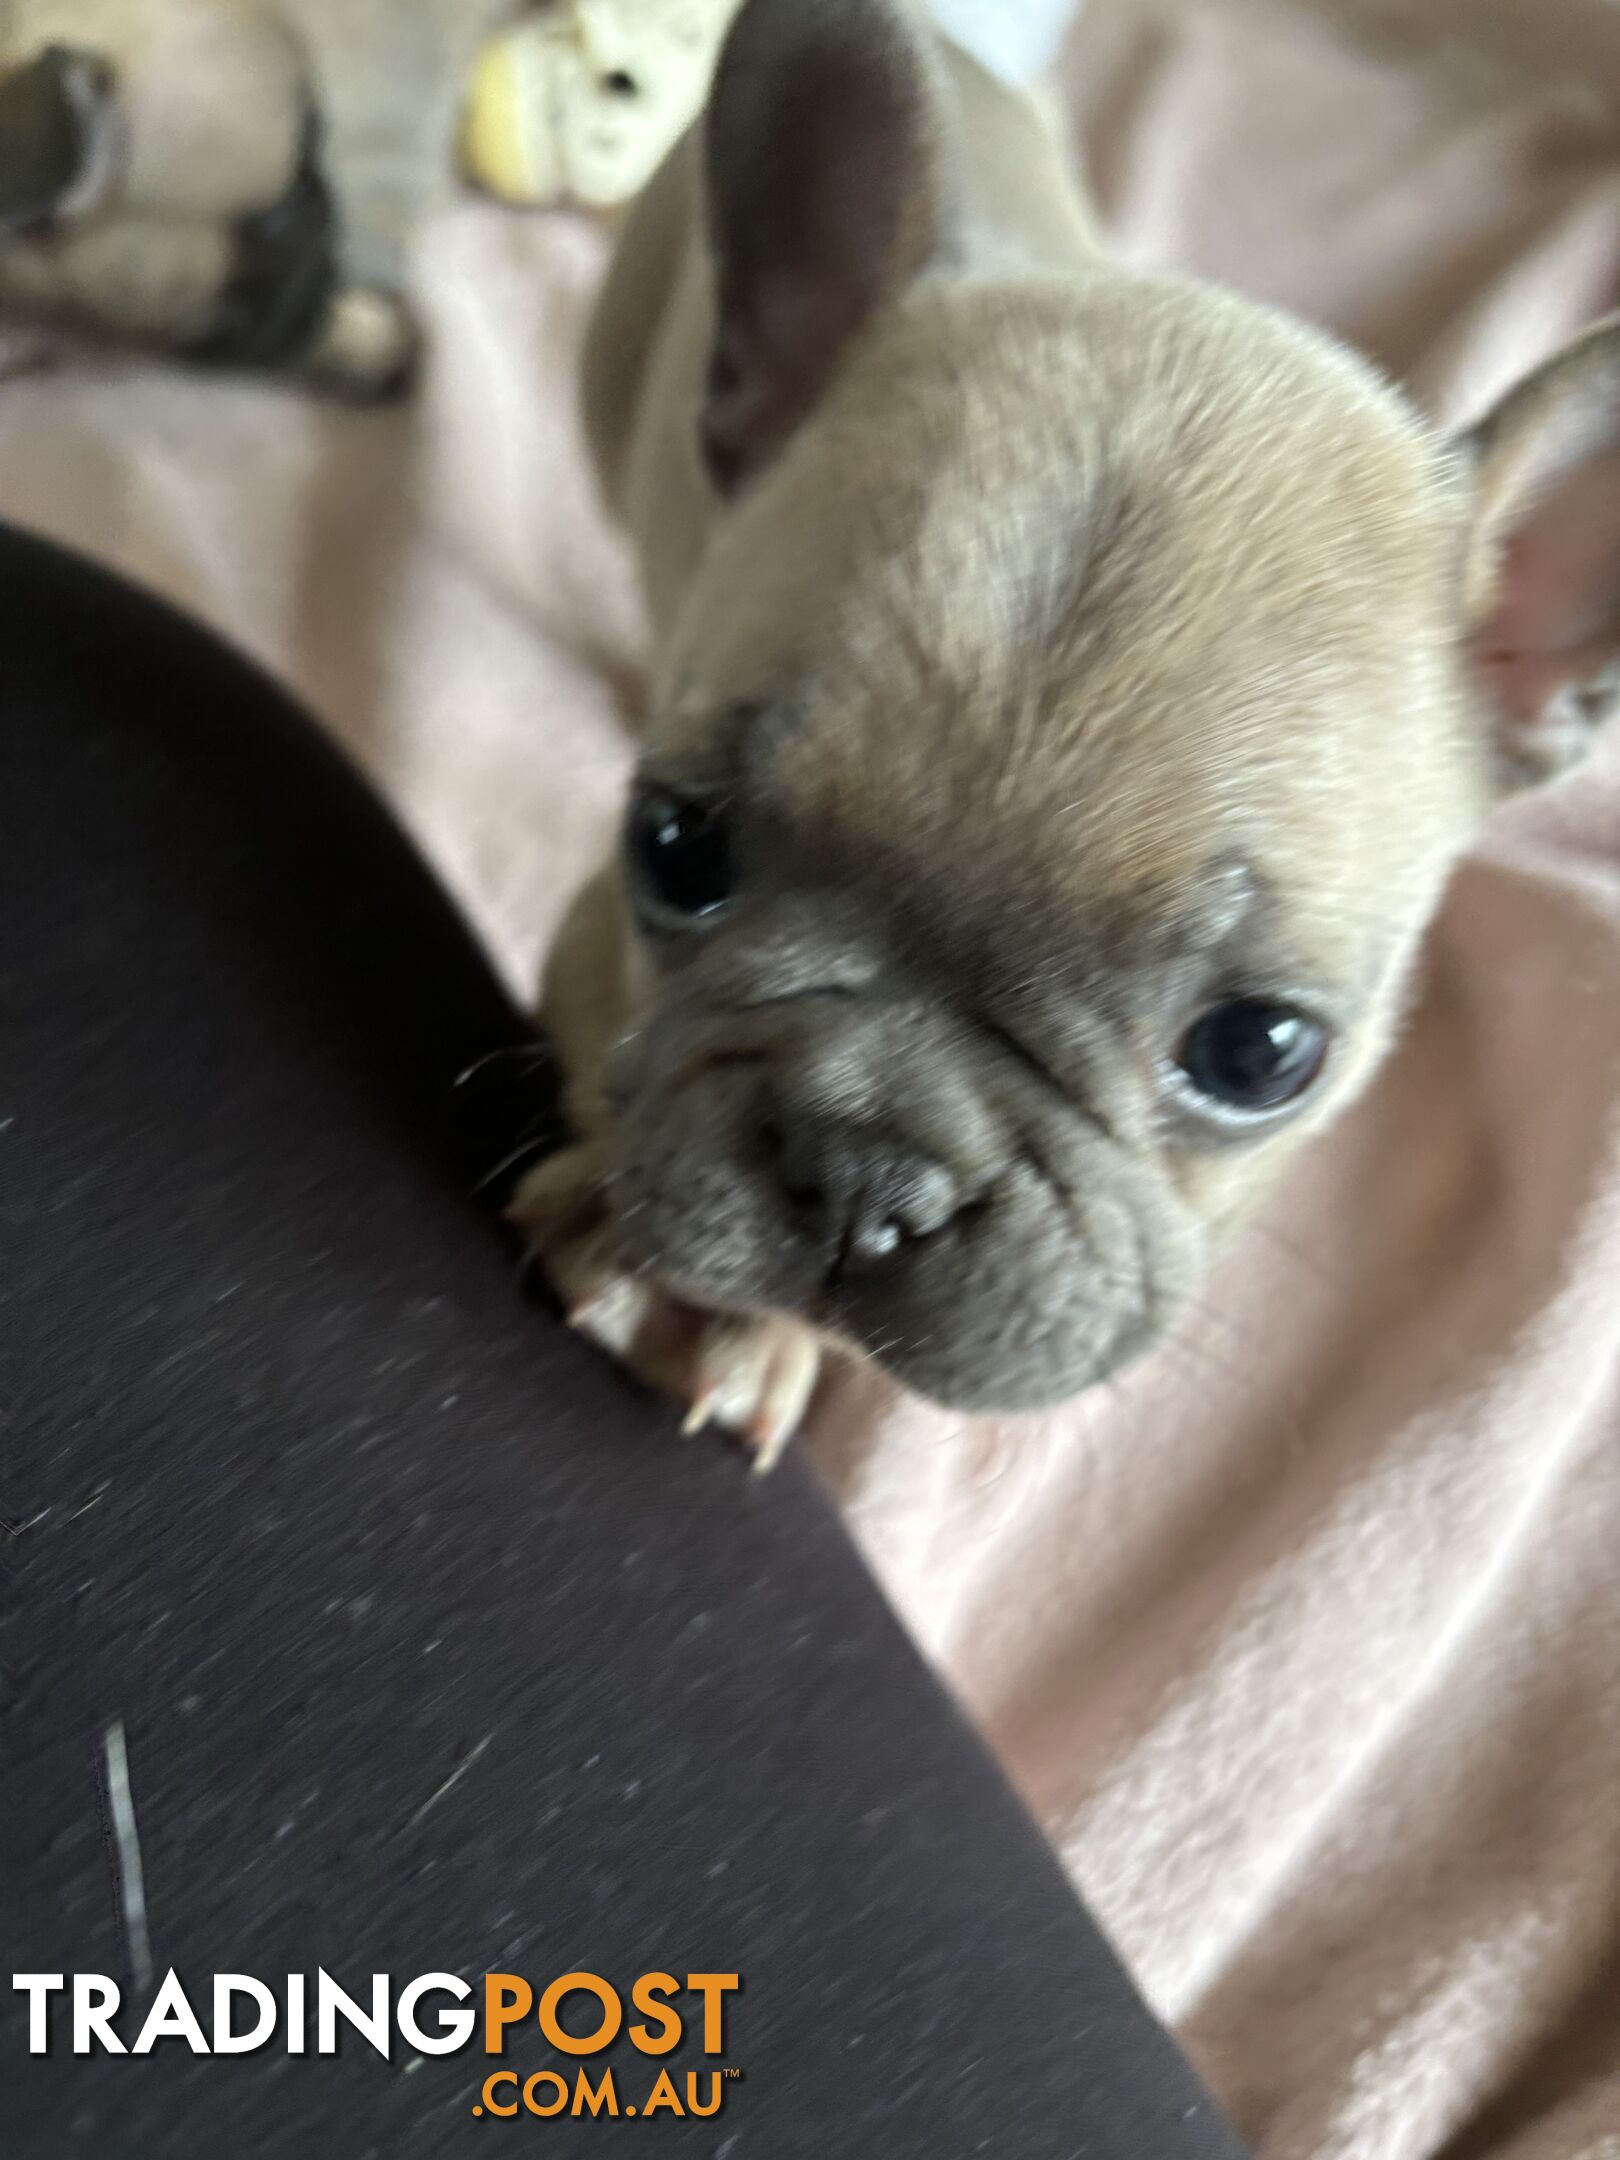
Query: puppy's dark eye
680	854
1252	1054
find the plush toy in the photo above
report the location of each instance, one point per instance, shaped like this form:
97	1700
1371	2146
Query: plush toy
579	101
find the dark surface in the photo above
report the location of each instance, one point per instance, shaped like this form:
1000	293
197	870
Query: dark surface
430	1647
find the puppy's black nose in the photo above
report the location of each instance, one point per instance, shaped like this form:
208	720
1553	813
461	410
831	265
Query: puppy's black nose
863	1196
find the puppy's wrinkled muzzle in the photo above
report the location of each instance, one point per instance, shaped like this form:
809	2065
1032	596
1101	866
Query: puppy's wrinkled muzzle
864	1162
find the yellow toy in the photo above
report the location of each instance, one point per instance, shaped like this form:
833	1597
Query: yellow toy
579	100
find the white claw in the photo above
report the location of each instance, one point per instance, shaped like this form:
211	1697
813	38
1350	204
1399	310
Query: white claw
757	1377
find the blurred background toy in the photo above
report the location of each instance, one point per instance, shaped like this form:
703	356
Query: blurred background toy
578	101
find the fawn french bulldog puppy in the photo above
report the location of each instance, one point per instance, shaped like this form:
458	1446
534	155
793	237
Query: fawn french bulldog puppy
1072	690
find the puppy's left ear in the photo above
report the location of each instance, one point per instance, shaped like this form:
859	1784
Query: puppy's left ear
1544	570
822	160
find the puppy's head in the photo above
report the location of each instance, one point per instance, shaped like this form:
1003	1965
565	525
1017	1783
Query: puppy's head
1065	738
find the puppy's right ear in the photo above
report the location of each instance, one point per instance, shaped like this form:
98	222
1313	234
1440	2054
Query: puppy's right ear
1544	631
822	165
52	120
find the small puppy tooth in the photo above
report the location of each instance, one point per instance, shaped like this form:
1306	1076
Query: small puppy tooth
699	1415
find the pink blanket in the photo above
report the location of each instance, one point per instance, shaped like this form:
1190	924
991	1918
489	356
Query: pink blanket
1304	1637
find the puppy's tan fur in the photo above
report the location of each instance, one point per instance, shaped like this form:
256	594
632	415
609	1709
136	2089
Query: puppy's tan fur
1069	650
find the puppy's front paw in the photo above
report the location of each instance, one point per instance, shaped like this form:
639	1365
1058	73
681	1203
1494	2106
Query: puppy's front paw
753	1375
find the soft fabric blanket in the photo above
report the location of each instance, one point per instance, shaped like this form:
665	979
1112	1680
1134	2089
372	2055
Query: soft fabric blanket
1304	1637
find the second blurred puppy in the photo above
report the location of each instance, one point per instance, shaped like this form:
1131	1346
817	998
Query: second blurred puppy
229	180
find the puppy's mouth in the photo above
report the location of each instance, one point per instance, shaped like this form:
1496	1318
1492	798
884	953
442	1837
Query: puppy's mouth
1010	1289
